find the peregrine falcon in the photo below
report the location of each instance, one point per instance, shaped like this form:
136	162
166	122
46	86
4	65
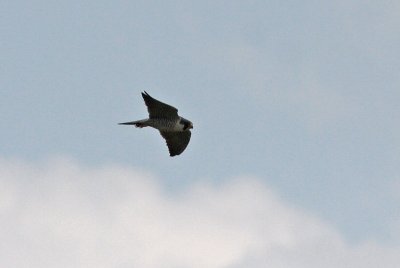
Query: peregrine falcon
173	128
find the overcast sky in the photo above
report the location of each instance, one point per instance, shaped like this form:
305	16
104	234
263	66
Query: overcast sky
294	159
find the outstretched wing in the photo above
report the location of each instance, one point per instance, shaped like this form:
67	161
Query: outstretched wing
176	141
158	109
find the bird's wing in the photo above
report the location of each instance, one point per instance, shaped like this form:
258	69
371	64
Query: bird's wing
176	141
158	109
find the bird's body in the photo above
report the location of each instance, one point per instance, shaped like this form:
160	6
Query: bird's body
173	128
161	124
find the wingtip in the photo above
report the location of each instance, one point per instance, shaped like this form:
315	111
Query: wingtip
172	154
146	95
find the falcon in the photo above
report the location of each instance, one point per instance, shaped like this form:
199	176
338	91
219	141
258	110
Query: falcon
173	128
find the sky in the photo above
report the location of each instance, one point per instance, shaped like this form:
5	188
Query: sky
294	159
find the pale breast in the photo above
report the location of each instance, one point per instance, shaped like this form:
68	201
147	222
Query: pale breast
178	126
166	125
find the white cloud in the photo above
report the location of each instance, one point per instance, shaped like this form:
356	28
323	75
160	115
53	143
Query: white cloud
65	215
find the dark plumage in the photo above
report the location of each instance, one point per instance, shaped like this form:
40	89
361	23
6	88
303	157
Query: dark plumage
173	128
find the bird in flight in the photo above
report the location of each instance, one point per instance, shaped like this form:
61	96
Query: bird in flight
173	128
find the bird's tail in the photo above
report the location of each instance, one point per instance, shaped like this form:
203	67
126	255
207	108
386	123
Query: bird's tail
138	123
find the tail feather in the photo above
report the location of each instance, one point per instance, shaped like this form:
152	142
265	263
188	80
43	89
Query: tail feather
138	123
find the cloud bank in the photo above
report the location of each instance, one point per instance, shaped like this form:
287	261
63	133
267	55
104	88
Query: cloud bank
61	214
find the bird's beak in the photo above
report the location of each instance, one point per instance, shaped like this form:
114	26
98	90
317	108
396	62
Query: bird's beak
127	123
191	126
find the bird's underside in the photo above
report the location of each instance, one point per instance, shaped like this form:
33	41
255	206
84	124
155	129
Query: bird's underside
176	141
173	128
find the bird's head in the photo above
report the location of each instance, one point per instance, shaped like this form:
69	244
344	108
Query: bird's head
186	124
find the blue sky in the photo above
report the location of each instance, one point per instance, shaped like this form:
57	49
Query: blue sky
297	97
